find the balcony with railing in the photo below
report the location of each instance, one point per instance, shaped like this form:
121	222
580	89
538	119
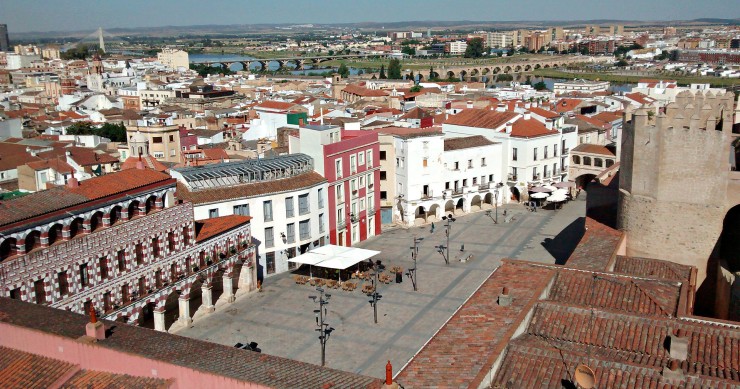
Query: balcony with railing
426	195
566	150
341	224
512	177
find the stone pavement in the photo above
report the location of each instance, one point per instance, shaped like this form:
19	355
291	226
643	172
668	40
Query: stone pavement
281	317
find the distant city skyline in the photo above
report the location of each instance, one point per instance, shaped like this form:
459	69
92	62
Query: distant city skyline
79	15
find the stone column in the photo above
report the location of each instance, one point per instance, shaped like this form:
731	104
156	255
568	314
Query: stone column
228	289
207	297
246	278
106	220
66	233
20	246
86	227
184	318
158	204
159	319
44	239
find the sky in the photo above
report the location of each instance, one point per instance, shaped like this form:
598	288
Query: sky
81	15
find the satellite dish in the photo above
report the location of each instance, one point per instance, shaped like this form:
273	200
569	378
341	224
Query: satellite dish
585	377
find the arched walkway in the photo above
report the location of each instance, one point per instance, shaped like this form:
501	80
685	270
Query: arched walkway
133	209
583	180
8	248
96	221
432	214
115	215
460	206
449	207
171	309
515	194
33	241
488	200
146	318
420	215
75	227
475	204
55	234
196	296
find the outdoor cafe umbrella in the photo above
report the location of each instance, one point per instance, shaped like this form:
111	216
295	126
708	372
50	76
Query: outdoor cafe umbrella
540	195
556	198
550	187
562	192
565	184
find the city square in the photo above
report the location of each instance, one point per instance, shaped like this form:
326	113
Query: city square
281	319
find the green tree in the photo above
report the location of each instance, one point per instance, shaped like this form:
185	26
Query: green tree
540	86
475	48
394	69
80	128
415	88
114	132
382	72
343	70
408	50
622	63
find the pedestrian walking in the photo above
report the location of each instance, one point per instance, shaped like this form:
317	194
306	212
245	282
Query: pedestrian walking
534	206
432	227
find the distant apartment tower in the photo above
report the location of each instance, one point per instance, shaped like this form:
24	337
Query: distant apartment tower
174	58
4	40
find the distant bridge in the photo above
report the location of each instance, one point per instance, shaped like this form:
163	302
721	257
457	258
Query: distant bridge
298	62
492	70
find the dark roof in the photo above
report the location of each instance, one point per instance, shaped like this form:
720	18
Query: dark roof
467	142
219	360
54	199
211	195
481	118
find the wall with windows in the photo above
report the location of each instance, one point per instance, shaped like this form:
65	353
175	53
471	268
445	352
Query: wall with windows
277	219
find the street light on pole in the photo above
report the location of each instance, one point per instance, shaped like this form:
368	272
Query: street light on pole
411	273
323	327
448	230
498	186
375	295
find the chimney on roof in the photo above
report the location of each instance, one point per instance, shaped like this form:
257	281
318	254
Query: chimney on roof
527	115
527	105
678	345
673	372
504	299
509	127
94	329
548	124
389	384
469	104
73	183
501	107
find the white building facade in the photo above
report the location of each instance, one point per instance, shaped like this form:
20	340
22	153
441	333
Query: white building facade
286	199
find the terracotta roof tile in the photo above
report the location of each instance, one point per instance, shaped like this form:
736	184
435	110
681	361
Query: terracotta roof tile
653	268
593	149
405	132
23	370
97	379
530	129
208	357
597	247
209	228
547	114
459	355
567	105
467	142
365	92
275	105
481	118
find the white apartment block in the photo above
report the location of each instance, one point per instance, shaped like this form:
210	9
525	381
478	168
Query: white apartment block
285	197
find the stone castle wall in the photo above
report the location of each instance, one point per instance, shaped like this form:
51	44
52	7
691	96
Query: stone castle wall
674	179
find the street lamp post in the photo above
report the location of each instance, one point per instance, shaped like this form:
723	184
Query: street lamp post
498	186
414	253
323	327
375	295
448	230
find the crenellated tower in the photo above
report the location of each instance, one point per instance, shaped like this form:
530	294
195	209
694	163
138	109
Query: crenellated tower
674	177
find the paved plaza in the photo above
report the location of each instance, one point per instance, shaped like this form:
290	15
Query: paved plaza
281	318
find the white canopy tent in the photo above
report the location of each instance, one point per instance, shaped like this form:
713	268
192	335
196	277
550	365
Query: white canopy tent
334	257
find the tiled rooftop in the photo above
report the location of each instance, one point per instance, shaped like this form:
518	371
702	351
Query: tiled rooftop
211	227
220	360
22	370
653	268
466	142
464	349
481	118
597	247
56	199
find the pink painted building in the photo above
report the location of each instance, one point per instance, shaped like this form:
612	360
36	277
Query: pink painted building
349	162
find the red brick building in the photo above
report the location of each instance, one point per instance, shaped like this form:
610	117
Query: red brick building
123	245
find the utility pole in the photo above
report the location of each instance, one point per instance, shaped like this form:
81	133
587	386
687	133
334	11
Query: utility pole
323	327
